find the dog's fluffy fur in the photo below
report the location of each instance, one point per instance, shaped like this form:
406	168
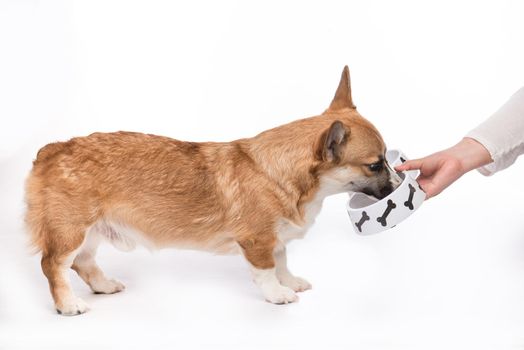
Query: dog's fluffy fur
250	195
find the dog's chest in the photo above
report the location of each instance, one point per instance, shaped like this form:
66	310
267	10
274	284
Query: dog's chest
288	230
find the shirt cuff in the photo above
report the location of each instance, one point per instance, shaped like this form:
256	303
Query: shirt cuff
493	167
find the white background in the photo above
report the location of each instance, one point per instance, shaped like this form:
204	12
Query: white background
451	276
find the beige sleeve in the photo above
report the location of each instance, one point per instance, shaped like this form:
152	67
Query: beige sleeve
502	134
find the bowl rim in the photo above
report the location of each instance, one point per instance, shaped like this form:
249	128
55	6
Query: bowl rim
379	201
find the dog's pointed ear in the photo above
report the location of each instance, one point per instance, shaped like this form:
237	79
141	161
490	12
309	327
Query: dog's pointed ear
332	142
342	97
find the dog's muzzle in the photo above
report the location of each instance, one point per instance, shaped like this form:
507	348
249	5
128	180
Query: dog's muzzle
400	199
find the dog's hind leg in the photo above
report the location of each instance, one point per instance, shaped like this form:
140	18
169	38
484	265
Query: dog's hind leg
85	265
58	253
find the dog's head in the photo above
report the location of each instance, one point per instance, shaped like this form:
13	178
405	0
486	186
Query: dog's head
352	150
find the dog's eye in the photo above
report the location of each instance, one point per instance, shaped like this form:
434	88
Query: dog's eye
376	167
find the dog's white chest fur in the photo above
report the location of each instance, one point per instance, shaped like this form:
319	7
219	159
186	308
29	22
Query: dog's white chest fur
288	230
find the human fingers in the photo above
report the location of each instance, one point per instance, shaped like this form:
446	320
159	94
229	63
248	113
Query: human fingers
413	164
428	187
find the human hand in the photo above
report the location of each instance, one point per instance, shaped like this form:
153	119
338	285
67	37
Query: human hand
441	169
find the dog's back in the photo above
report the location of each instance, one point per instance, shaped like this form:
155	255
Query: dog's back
133	179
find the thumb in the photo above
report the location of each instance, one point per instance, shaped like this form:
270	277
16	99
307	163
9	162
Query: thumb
428	187
409	165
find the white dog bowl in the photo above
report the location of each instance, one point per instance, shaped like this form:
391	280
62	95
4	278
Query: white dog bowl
370	215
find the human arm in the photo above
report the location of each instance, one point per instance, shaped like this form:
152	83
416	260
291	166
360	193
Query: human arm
492	146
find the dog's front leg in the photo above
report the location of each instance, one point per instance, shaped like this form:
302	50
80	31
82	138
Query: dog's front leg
259	254
285	277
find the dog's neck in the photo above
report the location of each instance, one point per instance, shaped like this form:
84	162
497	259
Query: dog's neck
286	155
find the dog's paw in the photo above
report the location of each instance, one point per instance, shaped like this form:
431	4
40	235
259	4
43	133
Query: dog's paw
281	295
108	287
298	284
73	306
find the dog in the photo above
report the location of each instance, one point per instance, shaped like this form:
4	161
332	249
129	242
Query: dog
249	196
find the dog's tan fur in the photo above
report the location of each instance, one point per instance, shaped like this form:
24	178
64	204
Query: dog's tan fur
212	196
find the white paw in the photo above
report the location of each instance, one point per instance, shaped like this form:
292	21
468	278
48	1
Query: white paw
108	287
281	295
72	306
298	284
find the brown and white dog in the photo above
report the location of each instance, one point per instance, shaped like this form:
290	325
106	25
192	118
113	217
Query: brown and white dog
251	195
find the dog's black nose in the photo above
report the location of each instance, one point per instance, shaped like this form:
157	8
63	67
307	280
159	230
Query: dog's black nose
381	193
386	191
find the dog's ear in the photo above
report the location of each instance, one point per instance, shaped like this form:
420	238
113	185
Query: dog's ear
342	97
332	142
